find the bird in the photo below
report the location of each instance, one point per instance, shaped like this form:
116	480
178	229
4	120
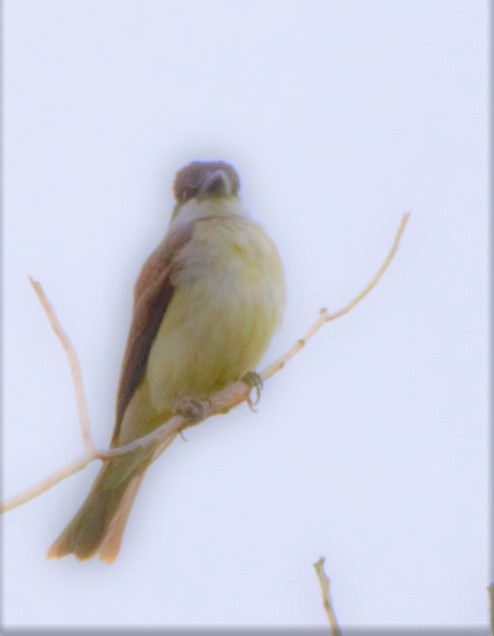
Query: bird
205	306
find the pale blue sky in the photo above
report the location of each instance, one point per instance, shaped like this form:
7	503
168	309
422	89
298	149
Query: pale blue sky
371	447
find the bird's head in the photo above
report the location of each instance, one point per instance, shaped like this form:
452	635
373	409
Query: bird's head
205	180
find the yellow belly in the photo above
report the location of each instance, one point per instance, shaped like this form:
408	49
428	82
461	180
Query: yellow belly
228	299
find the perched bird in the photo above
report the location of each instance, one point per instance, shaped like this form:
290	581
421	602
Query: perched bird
206	304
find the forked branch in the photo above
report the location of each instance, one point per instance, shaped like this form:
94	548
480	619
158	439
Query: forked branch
221	402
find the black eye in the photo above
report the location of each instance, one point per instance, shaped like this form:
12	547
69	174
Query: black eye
188	192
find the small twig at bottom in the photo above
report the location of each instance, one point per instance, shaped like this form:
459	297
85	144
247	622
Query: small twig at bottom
490	591
326	597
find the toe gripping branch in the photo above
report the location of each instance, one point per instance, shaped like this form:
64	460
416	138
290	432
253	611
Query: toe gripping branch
254	381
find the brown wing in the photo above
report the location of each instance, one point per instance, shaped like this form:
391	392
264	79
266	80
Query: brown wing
153	292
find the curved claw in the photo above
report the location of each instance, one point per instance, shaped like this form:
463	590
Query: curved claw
254	381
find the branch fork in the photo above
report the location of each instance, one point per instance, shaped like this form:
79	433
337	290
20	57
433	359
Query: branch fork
221	402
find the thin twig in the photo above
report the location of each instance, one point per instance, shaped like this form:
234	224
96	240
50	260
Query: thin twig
490	591
49	482
349	306
325	317
326	597
221	402
75	368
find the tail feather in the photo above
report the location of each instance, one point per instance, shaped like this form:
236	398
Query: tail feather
102	516
110	546
98	526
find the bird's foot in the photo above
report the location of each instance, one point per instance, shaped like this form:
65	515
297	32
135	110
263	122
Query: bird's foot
193	409
254	381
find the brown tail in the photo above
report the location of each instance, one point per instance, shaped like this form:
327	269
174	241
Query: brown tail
99	524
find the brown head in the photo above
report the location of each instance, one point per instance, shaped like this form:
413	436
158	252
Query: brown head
205	179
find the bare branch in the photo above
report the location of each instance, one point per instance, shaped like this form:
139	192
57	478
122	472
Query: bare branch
221	402
48	482
490	591
326	597
325	317
75	368
349	306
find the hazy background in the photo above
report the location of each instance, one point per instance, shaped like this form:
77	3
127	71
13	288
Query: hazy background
371	447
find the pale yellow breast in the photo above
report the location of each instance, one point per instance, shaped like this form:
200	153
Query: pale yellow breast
229	298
